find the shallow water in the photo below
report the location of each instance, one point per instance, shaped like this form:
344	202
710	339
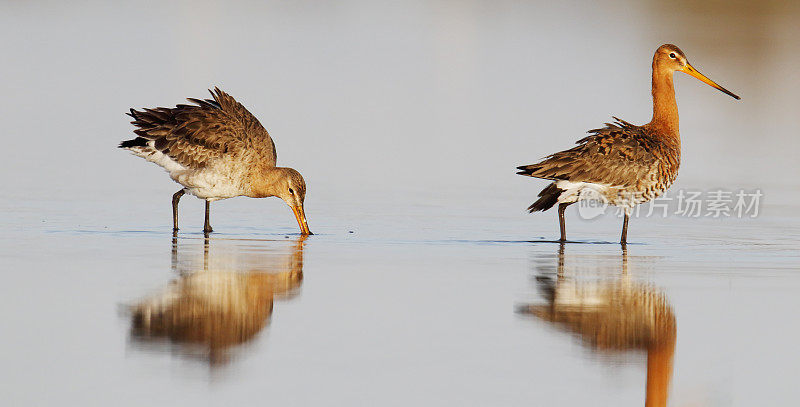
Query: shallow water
407	122
400	320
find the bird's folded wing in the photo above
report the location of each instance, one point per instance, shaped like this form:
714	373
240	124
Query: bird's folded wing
197	135
619	154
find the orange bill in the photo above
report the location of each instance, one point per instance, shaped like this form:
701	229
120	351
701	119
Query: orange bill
689	69
300	214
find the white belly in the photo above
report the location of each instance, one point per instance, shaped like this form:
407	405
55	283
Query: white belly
577	191
616	195
212	183
207	184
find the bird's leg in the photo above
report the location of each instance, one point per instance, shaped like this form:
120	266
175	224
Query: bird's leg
624	239
561	208
175	198
207	227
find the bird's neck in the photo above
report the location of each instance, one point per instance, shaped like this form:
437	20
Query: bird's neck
263	181
665	108
659	373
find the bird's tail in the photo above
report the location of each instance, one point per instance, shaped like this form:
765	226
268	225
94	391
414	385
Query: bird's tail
547	198
136	142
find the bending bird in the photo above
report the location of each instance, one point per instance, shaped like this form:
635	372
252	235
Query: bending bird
216	149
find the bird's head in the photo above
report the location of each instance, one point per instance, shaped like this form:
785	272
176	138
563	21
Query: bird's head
669	58
291	187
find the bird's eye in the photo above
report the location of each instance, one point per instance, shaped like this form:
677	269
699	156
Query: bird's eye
291	191
672	55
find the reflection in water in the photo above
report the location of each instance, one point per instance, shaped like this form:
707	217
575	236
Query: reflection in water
212	307
614	315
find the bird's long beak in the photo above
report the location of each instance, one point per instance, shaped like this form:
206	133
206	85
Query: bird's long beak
689	69
300	214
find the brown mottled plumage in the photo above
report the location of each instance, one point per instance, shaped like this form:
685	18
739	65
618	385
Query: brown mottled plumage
631	159
195	136
621	163
216	149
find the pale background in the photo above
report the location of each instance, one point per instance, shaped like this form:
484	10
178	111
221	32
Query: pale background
407	120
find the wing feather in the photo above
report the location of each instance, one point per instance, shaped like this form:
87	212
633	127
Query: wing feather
619	154
196	135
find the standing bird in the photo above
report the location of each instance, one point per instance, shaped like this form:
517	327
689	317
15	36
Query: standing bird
621	164
216	149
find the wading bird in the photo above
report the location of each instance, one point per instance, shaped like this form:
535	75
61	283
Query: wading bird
215	149
621	164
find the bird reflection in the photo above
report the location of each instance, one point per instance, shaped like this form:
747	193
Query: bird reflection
206	311
613	315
